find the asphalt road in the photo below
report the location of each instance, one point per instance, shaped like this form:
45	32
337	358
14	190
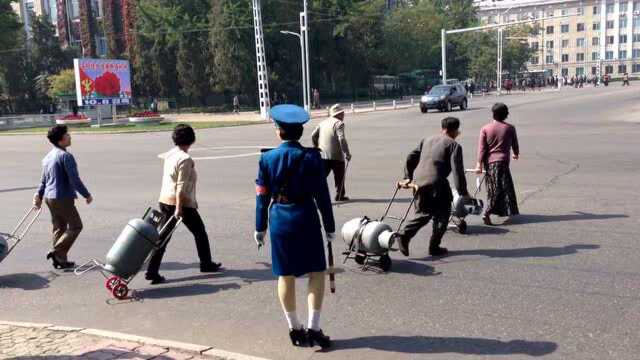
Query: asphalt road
560	283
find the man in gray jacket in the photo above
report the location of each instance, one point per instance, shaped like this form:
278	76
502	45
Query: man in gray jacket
329	137
428	167
58	187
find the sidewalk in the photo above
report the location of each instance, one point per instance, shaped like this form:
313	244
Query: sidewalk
22	341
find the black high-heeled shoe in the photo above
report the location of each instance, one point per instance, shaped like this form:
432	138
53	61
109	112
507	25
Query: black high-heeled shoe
298	337
317	337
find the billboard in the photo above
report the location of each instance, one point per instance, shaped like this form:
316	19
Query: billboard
102	81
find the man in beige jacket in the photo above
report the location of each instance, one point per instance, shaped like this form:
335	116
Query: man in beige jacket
330	138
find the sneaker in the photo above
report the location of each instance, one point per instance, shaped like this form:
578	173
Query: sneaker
210	268
155	278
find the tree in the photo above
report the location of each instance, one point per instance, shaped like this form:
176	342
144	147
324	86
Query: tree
87	29
62	84
113	20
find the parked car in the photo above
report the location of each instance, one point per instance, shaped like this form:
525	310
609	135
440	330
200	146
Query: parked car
444	98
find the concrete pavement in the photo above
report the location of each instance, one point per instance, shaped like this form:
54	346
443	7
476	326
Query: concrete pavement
560	283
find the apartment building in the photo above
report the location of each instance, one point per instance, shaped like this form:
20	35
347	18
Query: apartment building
583	38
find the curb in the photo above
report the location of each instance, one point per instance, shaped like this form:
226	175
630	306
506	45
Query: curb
191	349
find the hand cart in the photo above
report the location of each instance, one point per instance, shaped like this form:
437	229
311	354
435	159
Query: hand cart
118	284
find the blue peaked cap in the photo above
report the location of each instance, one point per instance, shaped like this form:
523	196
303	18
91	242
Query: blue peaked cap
289	114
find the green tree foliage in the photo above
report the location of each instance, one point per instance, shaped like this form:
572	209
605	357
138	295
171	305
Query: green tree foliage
62	84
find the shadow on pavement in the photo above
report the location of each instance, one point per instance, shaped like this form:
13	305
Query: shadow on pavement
412	267
26	281
575	216
184	290
475	230
246	275
539	251
439	345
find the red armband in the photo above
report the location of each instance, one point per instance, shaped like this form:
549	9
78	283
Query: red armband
261	190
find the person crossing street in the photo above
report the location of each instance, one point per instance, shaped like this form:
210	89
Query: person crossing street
330	138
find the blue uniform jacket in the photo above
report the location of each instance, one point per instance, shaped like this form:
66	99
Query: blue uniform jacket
294	226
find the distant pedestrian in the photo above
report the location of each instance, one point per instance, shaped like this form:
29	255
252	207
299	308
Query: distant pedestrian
58	187
178	198
625	79
236	105
316	99
330	138
497	140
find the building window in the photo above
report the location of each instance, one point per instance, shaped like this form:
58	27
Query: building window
636	37
580	42
549	44
595	55
635	68
608	55
623	39
549	29
636	6
580	11
610	24
622	54
565	43
608	69
580	57
564	28
535	46
595	41
623	7
596	10
636	53
622	69
579	71
594	70
610	39
610	8
564	12
636	22
596	26
534	60
549	59
550	13
564	72
623	23
580	27
565	57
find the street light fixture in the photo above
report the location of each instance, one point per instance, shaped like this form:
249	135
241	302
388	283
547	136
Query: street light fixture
303	66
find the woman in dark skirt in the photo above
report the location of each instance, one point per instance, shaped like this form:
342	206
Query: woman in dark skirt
290	190
496	141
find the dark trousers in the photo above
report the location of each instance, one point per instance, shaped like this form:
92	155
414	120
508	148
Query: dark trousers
338	168
192	220
429	205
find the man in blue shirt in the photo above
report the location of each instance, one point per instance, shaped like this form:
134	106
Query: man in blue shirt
58	187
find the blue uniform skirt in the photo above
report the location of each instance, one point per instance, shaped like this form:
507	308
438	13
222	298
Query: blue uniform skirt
297	247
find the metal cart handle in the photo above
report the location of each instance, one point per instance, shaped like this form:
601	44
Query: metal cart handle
25	229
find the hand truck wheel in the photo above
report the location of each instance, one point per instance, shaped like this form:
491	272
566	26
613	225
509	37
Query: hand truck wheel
462	227
112	282
385	263
120	291
360	258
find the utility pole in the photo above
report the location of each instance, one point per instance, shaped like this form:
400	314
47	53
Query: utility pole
263	77
304	32
444	56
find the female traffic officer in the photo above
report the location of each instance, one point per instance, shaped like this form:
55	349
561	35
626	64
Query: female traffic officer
290	189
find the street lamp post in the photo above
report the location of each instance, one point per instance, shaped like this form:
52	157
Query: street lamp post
303	66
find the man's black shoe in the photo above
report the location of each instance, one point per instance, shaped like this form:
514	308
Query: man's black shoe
344	198
155	279
403	245
210	268
438	251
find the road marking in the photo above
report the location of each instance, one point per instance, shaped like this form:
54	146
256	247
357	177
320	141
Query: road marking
226	156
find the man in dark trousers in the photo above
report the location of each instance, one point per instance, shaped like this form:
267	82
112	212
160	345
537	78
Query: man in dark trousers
428	167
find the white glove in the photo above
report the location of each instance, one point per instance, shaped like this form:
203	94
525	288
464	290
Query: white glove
330	236
258	236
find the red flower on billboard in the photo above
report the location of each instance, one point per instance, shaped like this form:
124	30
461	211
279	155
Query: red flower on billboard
108	85
86	84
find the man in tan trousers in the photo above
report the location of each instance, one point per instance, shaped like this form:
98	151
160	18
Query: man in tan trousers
58	187
330	138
